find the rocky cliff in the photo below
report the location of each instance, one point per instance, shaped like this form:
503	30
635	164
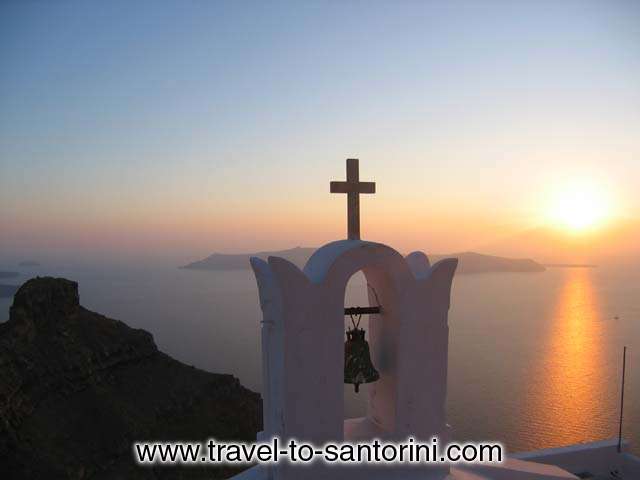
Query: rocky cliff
77	388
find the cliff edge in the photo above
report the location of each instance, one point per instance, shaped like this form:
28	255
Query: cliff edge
78	388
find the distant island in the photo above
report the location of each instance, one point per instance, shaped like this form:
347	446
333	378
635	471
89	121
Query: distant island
29	263
469	262
8	274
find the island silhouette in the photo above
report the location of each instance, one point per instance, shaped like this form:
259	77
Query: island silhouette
468	262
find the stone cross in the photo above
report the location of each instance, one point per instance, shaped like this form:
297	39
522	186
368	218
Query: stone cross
353	187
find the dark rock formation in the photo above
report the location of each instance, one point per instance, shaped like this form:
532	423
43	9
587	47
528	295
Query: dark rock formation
77	389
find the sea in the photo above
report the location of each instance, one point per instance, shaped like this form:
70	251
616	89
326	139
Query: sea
535	359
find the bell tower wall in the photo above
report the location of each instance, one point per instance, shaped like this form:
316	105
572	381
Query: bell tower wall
303	344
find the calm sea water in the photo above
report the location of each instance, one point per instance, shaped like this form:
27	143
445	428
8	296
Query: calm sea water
534	359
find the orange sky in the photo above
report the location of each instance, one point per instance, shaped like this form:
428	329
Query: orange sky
118	138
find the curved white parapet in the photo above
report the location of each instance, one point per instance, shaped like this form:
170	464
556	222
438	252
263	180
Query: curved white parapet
303	344
419	264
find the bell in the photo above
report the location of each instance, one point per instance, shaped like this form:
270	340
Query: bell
357	361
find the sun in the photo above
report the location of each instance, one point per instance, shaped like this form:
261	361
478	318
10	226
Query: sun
580	206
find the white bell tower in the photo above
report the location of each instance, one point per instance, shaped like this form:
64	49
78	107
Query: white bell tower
303	338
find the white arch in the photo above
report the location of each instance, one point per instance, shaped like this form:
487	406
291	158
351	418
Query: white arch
303	337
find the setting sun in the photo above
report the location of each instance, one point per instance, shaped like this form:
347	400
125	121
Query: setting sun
580	207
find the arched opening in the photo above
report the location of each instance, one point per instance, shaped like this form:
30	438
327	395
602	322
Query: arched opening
371	413
356	295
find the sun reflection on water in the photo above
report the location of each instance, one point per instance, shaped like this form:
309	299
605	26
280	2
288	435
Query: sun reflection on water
571	388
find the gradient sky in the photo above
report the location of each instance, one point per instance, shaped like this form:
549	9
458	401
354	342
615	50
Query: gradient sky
182	128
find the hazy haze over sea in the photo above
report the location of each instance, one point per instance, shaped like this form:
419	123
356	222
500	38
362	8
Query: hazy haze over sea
534	358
